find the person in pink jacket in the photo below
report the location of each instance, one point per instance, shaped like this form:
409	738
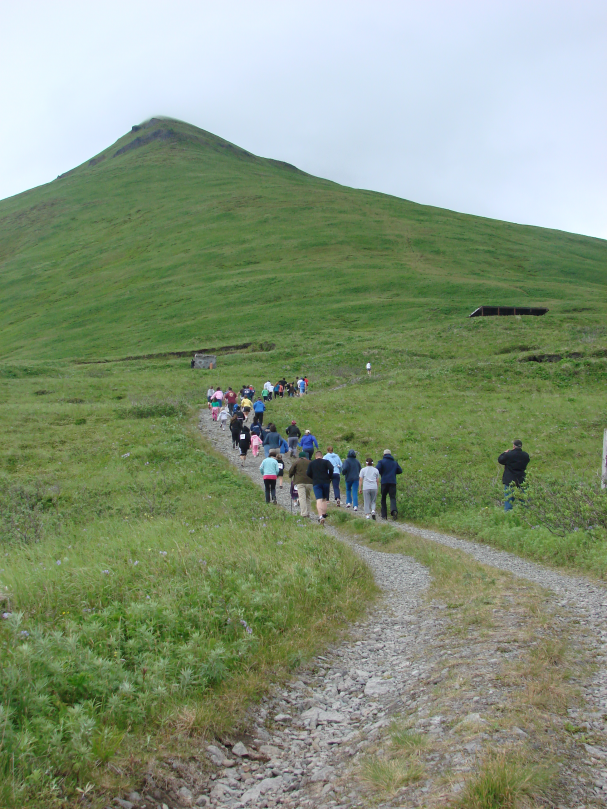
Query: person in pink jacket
256	443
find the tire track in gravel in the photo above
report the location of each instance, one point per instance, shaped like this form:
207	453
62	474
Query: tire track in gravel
308	737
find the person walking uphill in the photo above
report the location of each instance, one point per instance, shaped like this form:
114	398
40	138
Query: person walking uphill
321	472
269	470
334	458
307	443
368	486
515	463
272	440
388	468
259	408
351	472
293	434
302	482
244	441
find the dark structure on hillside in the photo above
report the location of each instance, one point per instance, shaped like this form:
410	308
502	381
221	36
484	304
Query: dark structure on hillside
205	361
488	311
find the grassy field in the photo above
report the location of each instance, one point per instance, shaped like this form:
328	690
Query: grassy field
135	561
147	592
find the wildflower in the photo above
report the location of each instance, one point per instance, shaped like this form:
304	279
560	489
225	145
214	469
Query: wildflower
147	597
24	633
163	553
107	572
247	628
126	455
280	543
58	561
6	615
136	562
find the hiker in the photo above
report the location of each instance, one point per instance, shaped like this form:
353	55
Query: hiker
272	440
269	387
256	443
192	363
293	434
334	458
307	443
515	463
269	470
303	483
367	484
388	468
210	394
369	369
224	415
306	383
264	394
259	408
246	405
351	472
281	469
216	403
231	399
256	428
235	430
321	472
244	441
301	386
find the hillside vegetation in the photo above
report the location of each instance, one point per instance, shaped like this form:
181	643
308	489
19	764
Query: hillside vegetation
148	593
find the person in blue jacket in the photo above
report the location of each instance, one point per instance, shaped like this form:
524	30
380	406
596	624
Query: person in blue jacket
259	408
351	471
307	444
388	468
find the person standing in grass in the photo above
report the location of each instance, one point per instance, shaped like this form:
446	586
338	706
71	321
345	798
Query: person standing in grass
307	443
388	468
293	434
259	408
269	470
368	369
321	472
515	462
334	458
351	472
301	385
303	483
368	487
244	442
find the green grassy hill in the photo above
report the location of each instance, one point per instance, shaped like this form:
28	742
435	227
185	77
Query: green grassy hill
173	238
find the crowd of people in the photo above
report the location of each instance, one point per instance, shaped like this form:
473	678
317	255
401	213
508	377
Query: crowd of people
315	472
312	471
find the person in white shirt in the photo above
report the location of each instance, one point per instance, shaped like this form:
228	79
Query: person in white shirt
270	388
369	368
368	486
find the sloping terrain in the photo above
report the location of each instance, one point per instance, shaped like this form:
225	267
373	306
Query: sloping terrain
173	238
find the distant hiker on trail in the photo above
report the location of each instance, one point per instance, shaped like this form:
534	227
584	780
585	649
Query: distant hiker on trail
281	469
256	428
306	383
210	394
301	385
515	463
246	405
272	440
244	442
369	368
388	468
299	474
307	443
224	415
334	458
216	403
256	443
351	472
368	486
269	470
264	394
321	472
293	434
235	430
269	387
259	408
231	399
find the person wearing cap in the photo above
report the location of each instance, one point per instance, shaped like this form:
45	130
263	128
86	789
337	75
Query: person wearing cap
307	443
293	434
515	463
388	468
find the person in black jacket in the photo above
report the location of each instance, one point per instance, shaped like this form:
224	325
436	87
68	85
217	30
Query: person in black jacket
388	468
293	434
321	472
515	463
244	441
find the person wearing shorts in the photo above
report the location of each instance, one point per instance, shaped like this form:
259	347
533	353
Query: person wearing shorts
269	470
368	486
321	472
244	442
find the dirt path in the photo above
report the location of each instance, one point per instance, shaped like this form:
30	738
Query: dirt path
408	708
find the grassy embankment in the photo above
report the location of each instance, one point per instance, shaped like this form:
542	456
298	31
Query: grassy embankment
150	592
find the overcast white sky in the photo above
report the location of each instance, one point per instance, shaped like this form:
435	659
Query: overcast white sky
492	108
